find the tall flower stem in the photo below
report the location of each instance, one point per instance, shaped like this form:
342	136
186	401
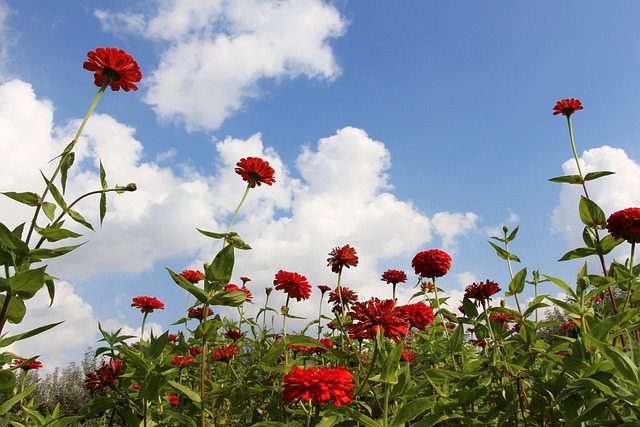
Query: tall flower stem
65	155
630	290
235	214
144	319
446	327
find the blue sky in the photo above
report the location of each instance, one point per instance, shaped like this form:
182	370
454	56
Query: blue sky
394	127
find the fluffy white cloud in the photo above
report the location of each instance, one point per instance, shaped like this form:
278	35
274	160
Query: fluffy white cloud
449	226
219	51
611	193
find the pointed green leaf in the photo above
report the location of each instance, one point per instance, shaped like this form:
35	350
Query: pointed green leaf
189	287
11	241
591	215
103	177
55	193
212	234
413	409
568	179
517	283
16	310
512	235
229	299
389	375
103	206
43	253
221	268
27	198
578	253
55	234
6	341
562	285
607	244
49	210
8	404
503	253
595	175
79	219
27	283
65	163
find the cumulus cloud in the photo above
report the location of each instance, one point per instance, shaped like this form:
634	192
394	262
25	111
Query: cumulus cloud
216	53
611	193
450	226
6	35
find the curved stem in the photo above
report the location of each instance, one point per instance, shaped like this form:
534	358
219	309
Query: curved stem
373	362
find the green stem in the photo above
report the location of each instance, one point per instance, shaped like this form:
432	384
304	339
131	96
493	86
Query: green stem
284	331
320	315
373	362
385	409
144	319
630	290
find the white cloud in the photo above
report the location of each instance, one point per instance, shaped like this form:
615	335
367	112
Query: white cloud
451	225
7	36
218	52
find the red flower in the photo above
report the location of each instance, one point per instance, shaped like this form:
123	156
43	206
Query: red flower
481	291
31	365
172	338
147	304
173	399
255	171
326	342
324	288
373	315
245	279
419	314
136	386
182	361
407	356
427	286
479	343
196	313
105	375
625	224
501	317
393	277
567	107
116	65
194	276
295	285
231	287
194	351
234	334
224	354
342	296
319	385
432	263
568	325
342	257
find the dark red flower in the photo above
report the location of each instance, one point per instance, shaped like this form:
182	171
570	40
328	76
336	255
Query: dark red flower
105	375
501	317
324	288
116	65
231	287
194	351
196	313
244	279
31	365
432	263
481	291
194	276
268	290
295	285
426	286
625	224
172	338
182	361
479	343
373	315
234	334
326	342
255	171
136	386
342	257
419	314
342	296
173	399
407	356
567	107
570	324
393	277
319	385
147	304
224	354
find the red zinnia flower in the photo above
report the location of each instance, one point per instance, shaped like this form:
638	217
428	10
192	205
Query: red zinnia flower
116	65
194	276
407	356
375	314
342	296
182	361
255	171
568	325
319	385
625	224
194	351
432	263
567	107
105	375
173	399
244	279
324	288
31	365
342	257
481	291
224	354
479	343
427	286
393	277
147	304
231	287
295	285
419	314
196	313
234	334
136	386
172	338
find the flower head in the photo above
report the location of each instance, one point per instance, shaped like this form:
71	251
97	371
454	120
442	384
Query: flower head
194	276
625	224
375	314
567	107
31	365
244	279
342	296
224	354
393	277
419	314
113	64
342	257
319	385
407	356
147	304
173	399
182	361
324	288
173	338
295	285
197	313
106	375
432	263
234	334
255	171
481	291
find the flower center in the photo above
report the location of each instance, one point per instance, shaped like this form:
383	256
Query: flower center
111	74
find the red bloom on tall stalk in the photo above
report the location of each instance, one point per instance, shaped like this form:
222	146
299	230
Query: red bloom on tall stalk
224	354
182	361
567	107
432	263
419	314
196	313
342	257
113	64
255	171
147	304
105	375
31	365
295	285
481	291
375	314
342	296
194	276
319	385
234	334
393	277
625	224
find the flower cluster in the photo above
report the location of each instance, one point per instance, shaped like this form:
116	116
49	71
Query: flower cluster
105	375
319	385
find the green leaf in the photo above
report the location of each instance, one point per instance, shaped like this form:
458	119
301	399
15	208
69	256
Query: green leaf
457	338
6	341
15	311
97	405
595	175
413	409
79	219
56	194
212	234
43	253
11	241
180	418
503	253
591	215
389	374
229	298
189	287
562	285
356	415
49	210
8	404
192	395
517	283
27	283
625	366
7	382
221	269
27	198
103	177
607	244
589	237
567	179
276	350
55	234
103	206
65	163
578	253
